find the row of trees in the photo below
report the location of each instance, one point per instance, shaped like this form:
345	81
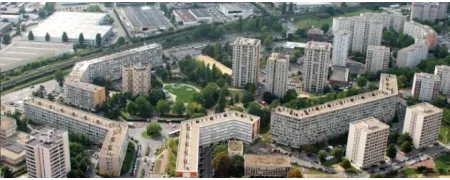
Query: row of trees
226	166
198	72
393	39
219	53
65	38
79	158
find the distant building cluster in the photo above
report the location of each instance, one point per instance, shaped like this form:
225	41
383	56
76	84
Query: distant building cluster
145	19
192	16
429	11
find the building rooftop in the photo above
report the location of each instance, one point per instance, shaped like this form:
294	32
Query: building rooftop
423	75
370	124
426	108
292	45
187	158
318	45
14	153
238	6
264	160
185	15
7	122
387	88
146	16
246	41
45	136
381	48
202	12
73	23
117	132
235	146
339	74
442	67
315	31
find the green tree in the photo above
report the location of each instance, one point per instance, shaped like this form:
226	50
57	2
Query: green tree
94	8
197	115
42	14
247	98
47	37
322	156
391	152
144	108
295	173
81	39
372	86
222	164
220	148
406	147
156	95
361	82
222	101
268	40
291	8
120	41
5	172
237	163
403	138
343	4
337	153
30	36
376	175
131	107
98	39
325	28
64	37
283	8
194	108
178	108
290	95
220	82
154	129
59	76
163	106
346	164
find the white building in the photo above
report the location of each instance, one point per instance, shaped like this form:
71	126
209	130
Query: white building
9	126
341	44
389	20
277	70
136	78
245	58
377	58
73	23
421	32
366	143
236	9
425	86
315	67
412	55
443	72
429	11
295	128
47	153
202	15
422	122
366	33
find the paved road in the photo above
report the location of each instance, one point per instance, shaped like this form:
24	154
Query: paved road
208	163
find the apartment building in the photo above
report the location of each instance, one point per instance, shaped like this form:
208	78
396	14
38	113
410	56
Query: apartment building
78	89
266	166
395	21
377	58
422	122
421	32
277	70
341	44
47	153
315	66
366	143
295	128
429	11
197	135
315	34
366	33
245	58
426	86
443	72
112	135
235	148
136	78
9	126
412	55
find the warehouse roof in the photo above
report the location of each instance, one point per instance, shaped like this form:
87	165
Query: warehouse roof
145	16
185	15
200	12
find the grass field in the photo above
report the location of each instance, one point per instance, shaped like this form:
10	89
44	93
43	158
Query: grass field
317	22
183	93
410	173
443	164
442	132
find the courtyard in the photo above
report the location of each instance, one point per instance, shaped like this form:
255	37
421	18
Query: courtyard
182	92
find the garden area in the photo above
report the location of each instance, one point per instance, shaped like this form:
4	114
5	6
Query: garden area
443	164
184	93
444	136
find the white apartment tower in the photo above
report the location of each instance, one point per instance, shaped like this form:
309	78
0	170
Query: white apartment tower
422	122
47	153
443	72
245	57
429	10
367	141
377	58
425	86
341	44
366	33
136	78
316	63
277	74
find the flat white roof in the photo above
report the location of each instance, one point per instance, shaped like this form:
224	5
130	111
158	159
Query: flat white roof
73	23
292	45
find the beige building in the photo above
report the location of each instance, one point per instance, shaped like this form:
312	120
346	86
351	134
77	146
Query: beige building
47	153
315	66
366	33
443	72
136	78
235	148
12	154
366	143
422	122
425	86
9	126
112	135
78	89
277	70
245	58
197	136
377	59
341	43
266	166
295	128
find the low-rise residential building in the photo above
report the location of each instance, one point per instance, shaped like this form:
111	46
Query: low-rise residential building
112	135
47	153
9	126
314	124
443	71
339	76
377	58
266	166
235	148
277	70
136	78
315	34
422	122
78	89
198	135
425	86
12	154
366	143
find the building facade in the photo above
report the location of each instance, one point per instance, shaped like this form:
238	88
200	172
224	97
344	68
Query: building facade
277	70
366	33
422	122
425	86
421	32
47	153
111	134
412	55
9	126
137	78
245	58
366	143
341	44
377	58
78	89
316	63
296	128
266	166
429	11
315	34
443	72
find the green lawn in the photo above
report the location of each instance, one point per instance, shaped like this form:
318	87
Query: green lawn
128	161
410	173
183	93
443	164
317	22
145	135
442	132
